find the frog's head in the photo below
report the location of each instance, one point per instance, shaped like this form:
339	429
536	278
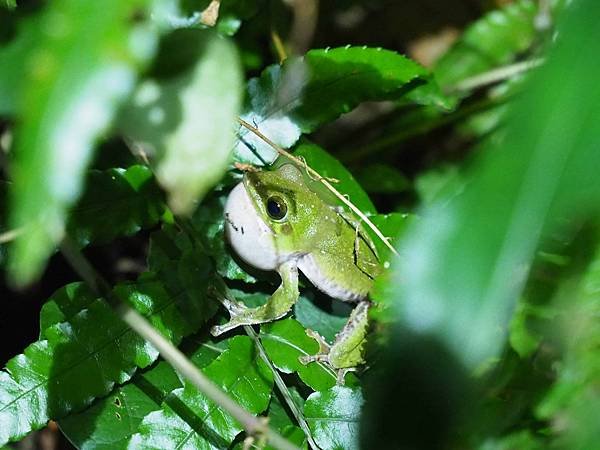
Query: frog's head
265	214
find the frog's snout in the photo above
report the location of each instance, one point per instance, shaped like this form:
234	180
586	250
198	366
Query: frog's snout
247	233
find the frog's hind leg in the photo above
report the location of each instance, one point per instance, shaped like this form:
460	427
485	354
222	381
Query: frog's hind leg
347	350
276	306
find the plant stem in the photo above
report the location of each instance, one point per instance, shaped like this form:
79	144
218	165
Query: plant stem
493	76
283	389
391	139
10	235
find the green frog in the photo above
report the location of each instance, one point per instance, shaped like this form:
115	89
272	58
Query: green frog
275	222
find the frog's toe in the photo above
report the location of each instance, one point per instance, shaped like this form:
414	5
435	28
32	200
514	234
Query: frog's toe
218	330
341	375
237	318
307	359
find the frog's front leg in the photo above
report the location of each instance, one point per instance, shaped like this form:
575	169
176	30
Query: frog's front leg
276	306
347	350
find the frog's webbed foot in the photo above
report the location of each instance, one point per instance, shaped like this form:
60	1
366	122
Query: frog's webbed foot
324	349
347	351
276	306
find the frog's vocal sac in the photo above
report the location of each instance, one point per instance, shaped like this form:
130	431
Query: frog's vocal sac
275	222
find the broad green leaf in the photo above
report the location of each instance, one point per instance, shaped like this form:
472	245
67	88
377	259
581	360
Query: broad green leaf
285	341
65	303
115	203
329	167
464	263
333	417
495	39
315	318
83	66
305	93
185	272
189	420
188	120
11	57
83	358
111	421
10	4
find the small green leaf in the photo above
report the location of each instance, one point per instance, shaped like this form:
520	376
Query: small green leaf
189	420
333	417
305	93
79	83
188	120
285	341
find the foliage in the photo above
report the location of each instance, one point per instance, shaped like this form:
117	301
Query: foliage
118	124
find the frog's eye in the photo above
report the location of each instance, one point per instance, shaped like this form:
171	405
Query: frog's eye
276	207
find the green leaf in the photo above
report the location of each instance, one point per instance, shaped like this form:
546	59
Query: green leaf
333	417
285	341
464	263
495	39
315	318
188	120
522	440
65	303
10	4
329	167
11	57
83	358
185	272
117	202
280	420
382	179
573	398
110	422
305	93
393	226
84	66
188	419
